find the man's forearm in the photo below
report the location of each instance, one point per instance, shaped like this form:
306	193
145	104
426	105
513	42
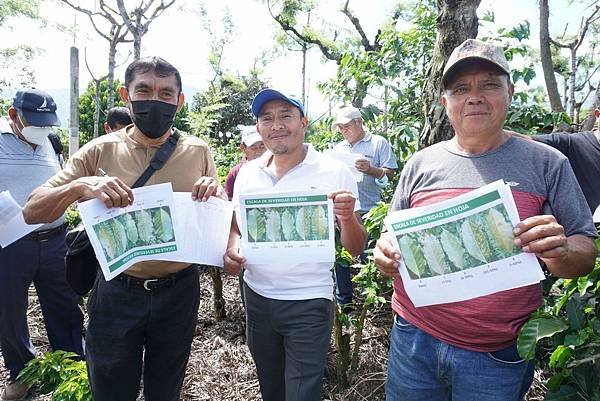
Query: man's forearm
353	235
578	261
379	172
234	234
47	204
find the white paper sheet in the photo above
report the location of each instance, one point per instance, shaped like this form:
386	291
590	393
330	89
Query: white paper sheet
287	226
205	227
145	230
349	159
462	248
12	222
597	215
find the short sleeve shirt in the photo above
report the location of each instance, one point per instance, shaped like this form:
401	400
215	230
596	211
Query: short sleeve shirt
119	155
292	281
23	168
377	150
542	182
583	151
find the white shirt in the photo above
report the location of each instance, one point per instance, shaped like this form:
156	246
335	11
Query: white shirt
292	281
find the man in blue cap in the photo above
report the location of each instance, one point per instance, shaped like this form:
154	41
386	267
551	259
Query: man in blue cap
27	160
289	305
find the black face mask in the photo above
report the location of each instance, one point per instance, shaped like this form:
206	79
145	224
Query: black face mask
153	117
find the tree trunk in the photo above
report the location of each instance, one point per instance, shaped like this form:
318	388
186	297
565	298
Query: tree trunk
137	45
456	22
110	78
74	100
572	72
96	107
218	301
304	49
137	34
547	63
590	120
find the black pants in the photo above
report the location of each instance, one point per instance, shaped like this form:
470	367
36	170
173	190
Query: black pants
288	341
127	323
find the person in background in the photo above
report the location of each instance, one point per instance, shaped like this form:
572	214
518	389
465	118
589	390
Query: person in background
378	165
27	160
289	312
253	147
583	151
143	321
467	350
117	118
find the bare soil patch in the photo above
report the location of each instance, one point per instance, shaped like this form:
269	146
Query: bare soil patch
221	368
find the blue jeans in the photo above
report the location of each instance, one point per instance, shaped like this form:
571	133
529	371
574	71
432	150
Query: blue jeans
42	263
343	284
420	367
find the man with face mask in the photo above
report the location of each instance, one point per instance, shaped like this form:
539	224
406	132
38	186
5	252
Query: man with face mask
27	159
147	315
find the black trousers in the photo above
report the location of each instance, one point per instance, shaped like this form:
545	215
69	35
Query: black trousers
129	324
288	341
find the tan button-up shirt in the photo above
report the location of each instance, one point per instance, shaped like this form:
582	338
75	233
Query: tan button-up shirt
121	156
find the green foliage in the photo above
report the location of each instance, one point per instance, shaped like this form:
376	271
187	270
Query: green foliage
392	76
72	218
59	373
531	118
225	155
372	287
570	318
87	107
22	56
16	8
4	106
225	105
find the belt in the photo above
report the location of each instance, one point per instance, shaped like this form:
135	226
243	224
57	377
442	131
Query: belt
45	235
152	284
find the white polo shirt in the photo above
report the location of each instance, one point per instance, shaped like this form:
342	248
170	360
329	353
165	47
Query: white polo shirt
292	281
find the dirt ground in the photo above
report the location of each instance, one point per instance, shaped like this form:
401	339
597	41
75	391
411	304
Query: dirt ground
221	368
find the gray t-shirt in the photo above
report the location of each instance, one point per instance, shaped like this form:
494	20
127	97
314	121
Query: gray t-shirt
541	181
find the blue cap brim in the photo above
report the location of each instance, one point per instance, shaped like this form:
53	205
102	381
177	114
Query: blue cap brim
38	119
266	95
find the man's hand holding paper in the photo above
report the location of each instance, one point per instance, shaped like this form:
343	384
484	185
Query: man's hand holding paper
109	190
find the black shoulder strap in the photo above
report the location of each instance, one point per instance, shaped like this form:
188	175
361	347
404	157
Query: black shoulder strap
160	158
56	143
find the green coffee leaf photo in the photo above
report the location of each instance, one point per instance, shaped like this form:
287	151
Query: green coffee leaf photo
138	228
412	255
474	239
290	223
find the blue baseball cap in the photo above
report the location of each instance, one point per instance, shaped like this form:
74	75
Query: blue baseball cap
38	107
268	94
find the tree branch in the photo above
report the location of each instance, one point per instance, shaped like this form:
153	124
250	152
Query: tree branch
329	53
585	25
125	16
89	69
356	22
157	12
